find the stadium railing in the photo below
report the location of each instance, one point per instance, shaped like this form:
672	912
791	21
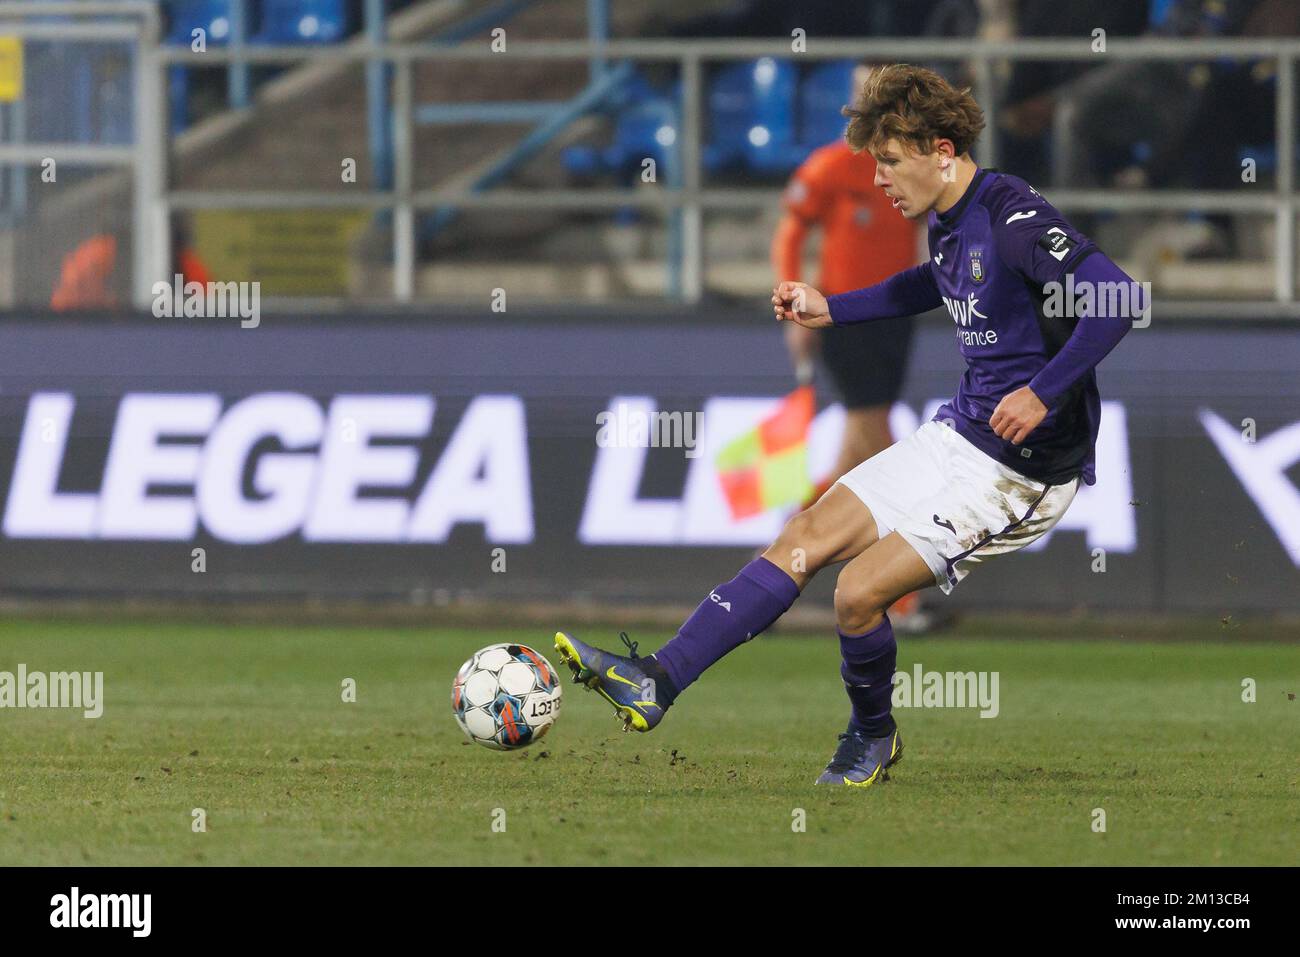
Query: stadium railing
134	23
691	198
687	198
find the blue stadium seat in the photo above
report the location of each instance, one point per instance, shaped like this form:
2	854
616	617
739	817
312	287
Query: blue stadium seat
645	126
751	110
1264	155
211	16
302	21
648	130
1158	11
825	90
771	143
730	109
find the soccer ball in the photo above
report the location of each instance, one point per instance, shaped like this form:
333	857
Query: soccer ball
506	697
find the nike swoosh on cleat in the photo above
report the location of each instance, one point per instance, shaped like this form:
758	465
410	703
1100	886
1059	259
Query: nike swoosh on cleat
618	677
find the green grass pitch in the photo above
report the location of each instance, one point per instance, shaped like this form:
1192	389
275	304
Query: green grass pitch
248	723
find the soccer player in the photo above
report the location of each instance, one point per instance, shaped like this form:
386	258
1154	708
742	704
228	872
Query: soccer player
992	472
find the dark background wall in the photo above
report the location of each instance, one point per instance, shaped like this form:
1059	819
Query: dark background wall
1204	537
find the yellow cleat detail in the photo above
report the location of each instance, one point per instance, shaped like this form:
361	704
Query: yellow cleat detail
867	783
611	673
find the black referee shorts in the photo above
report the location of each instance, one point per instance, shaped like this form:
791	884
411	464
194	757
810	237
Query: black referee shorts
868	360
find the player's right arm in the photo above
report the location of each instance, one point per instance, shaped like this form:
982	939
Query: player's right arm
907	293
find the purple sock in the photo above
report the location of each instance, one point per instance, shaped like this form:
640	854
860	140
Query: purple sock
868	673
731	615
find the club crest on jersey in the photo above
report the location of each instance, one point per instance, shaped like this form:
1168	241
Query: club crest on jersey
977	265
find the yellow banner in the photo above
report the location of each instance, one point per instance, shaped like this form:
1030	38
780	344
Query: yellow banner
11	69
290	252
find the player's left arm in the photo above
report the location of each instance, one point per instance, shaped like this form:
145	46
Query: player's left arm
1045	252
1095	335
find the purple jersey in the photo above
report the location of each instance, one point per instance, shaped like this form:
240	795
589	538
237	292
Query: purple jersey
992	258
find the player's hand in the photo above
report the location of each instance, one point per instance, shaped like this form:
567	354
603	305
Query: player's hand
1018	414
801	303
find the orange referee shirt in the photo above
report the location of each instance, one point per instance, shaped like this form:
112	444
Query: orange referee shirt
864	239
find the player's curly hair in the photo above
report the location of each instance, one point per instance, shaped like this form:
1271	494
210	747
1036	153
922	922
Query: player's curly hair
914	105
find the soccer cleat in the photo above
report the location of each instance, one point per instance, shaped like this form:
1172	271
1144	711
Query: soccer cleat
620	681
860	761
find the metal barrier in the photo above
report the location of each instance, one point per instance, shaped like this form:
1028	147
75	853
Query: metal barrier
687	199
691	198
135	22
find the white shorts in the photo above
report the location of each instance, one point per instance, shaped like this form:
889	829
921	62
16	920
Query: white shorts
953	503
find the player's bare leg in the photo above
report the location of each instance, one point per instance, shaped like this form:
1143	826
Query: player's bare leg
866	432
836	527
877	578
866	587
